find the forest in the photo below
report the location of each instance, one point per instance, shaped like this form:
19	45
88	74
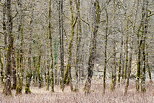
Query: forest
76	51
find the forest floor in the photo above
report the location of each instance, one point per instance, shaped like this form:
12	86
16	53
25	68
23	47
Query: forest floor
43	96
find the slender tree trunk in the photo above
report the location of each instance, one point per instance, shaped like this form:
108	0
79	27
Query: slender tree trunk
96	18
131	50
20	51
48	74
5	40
78	42
68	77
141	47
126	56
29	70
39	71
138	64
14	70
56	61
1	69
7	85
113	84
61	37
105	52
149	69
129	66
128	74
35	71
120	61
144	31
51	55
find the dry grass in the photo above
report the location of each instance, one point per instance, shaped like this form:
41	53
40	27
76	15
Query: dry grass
43	96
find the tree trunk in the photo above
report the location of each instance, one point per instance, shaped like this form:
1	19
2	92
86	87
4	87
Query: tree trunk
149	69
14	70
39	71
5	42
78	42
48	74
144	31
68	77
113	83
120	61
126	56
1	69
20	51
61	38
96	18
29	70
56	61
51	55
105	52
7	85
129	66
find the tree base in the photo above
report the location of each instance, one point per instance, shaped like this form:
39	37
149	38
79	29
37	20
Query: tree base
27	90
